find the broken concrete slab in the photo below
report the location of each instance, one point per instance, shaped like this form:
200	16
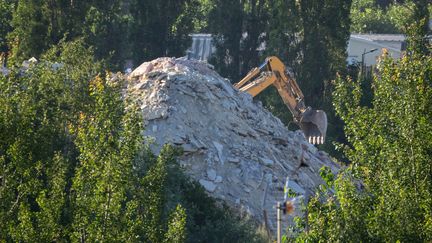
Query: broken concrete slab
186	103
208	185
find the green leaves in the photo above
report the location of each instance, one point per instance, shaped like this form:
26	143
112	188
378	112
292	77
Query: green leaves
6	8
367	16
75	167
160	28
119	32
35	145
382	195
101	174
177	226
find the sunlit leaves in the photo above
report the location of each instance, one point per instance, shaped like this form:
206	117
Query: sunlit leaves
385	193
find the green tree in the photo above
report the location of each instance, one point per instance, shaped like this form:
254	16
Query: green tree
326	32
161	28
368	17
371	16
36	107
311	38
418	31
52	200
238	30
29	35
37	25
107	150
324	49
64	19
283	30
254	27
118	31
6	8
385	194
106	31
225	24
284	42
177	226
155	198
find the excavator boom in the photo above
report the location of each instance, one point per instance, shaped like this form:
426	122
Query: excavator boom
313	123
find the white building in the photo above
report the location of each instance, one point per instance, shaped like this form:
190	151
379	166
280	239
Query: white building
370	46
201	48
359	45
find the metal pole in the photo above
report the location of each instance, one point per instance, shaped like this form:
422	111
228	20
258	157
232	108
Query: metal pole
362	62
278	208
363	59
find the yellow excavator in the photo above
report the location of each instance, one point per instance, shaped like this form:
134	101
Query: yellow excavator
312	122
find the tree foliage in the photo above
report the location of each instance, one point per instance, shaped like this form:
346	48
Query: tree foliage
369	17
385	194
326	33
74	166
161	28
311	38
6	8
177	226
237	27
36	151
391	17
118	31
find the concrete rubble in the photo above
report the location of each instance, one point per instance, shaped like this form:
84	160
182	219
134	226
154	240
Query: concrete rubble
236	149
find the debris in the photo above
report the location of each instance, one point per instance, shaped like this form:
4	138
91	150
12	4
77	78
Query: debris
267	162
218	179
186	103
296	187
208	185
211	174
233	160
219	148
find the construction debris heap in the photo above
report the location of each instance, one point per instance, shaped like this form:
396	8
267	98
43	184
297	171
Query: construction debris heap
236	149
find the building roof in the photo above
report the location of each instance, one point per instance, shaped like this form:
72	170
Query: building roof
200	35
371	42
380	37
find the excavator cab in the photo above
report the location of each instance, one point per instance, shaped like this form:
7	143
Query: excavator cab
312	122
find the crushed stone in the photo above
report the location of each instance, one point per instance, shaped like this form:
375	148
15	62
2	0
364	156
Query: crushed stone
236	149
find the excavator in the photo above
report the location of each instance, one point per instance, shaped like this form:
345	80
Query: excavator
312	122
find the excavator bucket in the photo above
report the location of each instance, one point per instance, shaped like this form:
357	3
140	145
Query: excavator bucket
314	125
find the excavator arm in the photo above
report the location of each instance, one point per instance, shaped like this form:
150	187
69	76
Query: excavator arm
273	72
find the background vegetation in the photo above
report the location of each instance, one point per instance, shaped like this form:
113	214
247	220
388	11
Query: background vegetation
73	166
385	193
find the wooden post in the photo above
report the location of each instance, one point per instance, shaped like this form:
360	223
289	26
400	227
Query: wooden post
279	219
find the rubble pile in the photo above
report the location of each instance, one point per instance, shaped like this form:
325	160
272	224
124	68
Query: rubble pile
236	149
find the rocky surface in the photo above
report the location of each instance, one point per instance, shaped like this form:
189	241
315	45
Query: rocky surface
236	149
